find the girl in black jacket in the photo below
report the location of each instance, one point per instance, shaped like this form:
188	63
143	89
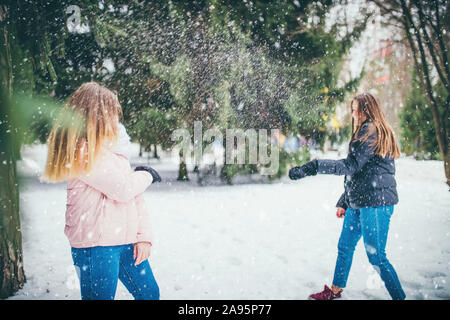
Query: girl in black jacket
369	197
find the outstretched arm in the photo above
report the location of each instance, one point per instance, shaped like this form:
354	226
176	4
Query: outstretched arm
360	153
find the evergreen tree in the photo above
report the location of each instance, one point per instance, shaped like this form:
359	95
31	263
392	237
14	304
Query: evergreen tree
32	47
418	136
426	27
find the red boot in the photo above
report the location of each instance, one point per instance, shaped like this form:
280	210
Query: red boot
326	294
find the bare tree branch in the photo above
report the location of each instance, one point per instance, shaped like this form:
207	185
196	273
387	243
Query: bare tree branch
430	45
440	127
441	41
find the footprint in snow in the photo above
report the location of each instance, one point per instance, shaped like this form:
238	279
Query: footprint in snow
432	274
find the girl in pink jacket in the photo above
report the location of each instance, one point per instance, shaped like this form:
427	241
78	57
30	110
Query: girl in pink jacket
107	223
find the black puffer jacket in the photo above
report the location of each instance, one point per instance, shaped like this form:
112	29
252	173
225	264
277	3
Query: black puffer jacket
369	178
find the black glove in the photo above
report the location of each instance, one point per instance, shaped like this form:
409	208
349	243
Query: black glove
155	175
308	169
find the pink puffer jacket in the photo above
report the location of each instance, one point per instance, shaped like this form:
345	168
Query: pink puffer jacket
106	207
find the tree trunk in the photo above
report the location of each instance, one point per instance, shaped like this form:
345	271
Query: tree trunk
155	152
182	171
425	82
446	159
12	276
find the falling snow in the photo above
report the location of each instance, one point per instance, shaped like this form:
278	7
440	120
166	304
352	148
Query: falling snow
218	242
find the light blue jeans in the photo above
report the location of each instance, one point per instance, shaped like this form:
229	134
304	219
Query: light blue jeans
99	269
372	223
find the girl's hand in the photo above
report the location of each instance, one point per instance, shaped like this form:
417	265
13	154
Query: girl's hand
308	169
340	212
153	172
141	252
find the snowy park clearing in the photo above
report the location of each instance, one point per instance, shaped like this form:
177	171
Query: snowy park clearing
248	241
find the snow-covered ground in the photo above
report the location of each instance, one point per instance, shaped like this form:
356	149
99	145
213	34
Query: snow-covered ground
249	241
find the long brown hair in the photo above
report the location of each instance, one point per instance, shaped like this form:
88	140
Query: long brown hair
385	142
84	125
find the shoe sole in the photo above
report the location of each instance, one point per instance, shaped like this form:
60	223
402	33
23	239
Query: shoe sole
311	298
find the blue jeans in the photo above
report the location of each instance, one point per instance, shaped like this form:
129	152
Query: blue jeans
99	269
372	223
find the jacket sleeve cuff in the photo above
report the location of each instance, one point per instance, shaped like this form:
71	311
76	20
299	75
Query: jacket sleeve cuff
342	202
144	233
144	238
342	205
149	176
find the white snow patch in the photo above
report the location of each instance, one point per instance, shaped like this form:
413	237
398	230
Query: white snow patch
208	245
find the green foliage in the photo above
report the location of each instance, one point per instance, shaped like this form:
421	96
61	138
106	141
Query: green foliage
235	64
418	134
230	64
228	171
153	126
291	159
35	116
